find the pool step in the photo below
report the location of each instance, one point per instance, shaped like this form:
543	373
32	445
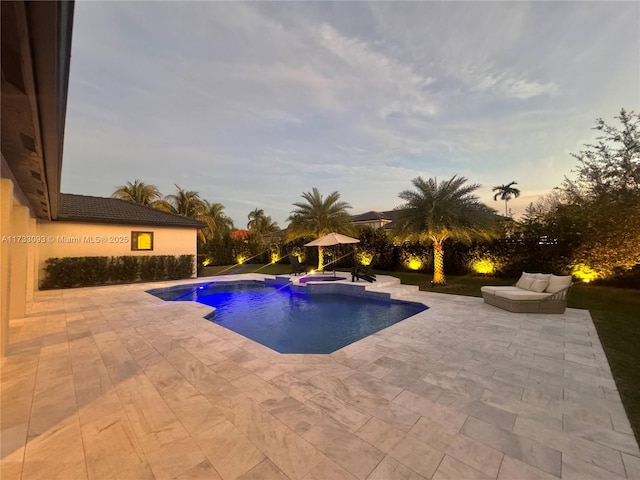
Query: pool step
397	290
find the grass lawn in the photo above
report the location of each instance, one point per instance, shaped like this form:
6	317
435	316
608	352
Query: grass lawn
615	313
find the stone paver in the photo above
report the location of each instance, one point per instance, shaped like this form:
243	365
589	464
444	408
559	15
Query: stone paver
111	382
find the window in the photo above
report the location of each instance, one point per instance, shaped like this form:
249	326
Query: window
141	240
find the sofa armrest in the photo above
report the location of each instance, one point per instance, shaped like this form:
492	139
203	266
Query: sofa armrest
560	295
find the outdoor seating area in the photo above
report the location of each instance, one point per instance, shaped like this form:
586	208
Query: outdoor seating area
112	382
533	293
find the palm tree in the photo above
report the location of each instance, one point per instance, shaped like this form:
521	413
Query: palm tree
188	204
261	223
318	216
448	210
138	192
254	218
218	223
184	202
505	192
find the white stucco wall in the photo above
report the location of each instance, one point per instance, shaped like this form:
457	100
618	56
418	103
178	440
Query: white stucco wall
375	224
17	255
66	239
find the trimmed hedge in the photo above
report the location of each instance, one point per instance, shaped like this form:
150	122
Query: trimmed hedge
72	272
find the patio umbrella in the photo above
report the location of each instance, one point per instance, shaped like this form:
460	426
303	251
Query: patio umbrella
331	239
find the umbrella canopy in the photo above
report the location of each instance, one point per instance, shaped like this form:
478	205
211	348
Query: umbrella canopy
331	239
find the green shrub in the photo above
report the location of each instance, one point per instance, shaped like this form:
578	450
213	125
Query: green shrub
153	268
179	267
124	269
184	268
90	271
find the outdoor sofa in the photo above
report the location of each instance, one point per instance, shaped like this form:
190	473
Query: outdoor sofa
533	293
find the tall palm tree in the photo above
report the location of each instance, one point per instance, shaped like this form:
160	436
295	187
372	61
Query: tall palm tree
261	223
138	192
184	202
436	212
318	216
188	204
220	223
506	192
254	218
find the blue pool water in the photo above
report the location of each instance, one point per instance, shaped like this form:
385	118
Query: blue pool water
289	320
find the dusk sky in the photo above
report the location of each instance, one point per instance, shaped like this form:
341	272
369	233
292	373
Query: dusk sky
252	104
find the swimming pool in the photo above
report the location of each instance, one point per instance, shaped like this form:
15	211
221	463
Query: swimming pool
291	320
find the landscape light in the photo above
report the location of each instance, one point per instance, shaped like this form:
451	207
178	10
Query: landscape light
584	272
414	263
365	258
484	266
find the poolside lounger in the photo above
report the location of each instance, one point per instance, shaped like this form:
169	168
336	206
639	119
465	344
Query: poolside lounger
360	272
534	293
296	266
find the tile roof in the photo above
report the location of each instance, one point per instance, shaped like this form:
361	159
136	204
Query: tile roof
372	216
369	216
84	208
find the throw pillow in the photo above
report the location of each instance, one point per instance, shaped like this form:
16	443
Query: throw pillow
539	285
557	283
526	280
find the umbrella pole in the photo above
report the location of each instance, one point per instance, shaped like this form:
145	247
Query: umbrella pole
334	265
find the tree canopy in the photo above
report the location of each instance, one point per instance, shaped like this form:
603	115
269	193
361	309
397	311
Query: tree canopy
611	166
318	216
594	217
506	192
447	210
138	192
605	197
260	223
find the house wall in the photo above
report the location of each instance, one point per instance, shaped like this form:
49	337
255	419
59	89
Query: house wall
68	239
375	224
17	258
26	243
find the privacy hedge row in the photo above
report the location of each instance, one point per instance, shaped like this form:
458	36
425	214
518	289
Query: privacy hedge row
71	272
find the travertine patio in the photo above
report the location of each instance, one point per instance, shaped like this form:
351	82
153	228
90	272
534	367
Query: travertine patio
112	382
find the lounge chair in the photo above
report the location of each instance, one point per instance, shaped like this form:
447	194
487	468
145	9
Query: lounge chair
534	293
296	266
361	272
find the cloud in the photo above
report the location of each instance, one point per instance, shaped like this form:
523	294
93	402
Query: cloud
391	86
253	103
510	86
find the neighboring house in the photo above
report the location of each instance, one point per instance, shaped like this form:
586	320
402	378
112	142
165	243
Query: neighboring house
375	220
96	226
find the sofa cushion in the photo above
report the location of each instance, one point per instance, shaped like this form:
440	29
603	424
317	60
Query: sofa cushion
521	295
538	285
557	283
493	289
526	280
